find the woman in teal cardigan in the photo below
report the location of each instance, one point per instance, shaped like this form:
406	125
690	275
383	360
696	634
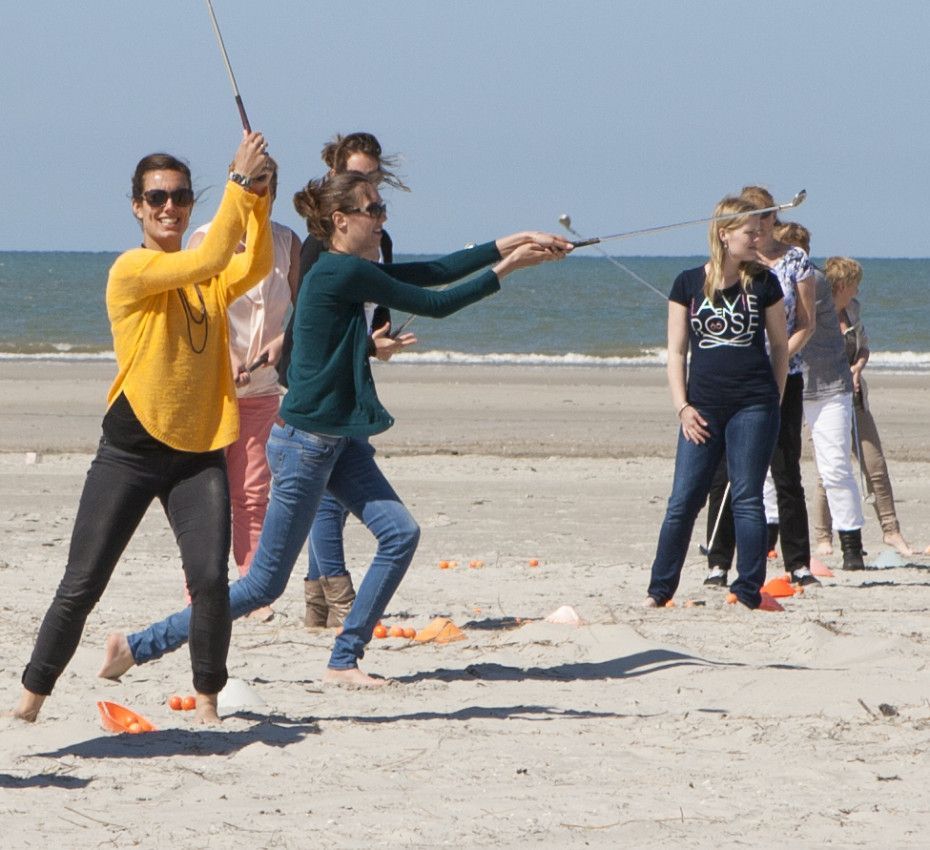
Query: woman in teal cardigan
331	407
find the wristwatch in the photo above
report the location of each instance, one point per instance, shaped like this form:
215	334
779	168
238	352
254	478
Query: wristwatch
241	179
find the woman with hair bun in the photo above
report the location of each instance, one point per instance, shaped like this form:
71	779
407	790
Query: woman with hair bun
728	406
320	441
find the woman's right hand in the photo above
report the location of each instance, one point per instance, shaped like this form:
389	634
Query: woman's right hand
251	158
531	250
693	425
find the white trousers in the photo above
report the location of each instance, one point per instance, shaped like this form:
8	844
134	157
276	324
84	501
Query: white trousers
830	421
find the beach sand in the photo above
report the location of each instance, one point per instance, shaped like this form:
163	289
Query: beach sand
705	726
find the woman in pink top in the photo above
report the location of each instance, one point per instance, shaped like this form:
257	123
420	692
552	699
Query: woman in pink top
256	334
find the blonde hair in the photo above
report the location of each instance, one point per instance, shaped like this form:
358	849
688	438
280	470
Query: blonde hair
841	272
792	233
728	206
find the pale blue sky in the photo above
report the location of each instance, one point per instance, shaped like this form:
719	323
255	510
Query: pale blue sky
507	112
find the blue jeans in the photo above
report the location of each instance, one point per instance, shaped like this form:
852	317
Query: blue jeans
325	548
747	435
303	466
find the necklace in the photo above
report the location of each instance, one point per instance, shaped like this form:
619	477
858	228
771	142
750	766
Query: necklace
191	317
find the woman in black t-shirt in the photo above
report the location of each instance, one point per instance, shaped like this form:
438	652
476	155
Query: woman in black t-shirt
722	312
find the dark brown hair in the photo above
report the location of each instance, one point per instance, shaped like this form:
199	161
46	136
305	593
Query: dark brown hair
157	162
319	199
336	155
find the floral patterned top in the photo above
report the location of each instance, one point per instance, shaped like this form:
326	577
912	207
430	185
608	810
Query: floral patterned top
792	268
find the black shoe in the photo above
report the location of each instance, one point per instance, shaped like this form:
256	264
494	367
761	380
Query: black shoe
851	542
803	577
717	577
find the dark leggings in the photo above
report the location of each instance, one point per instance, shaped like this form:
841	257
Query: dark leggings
786	472
120	486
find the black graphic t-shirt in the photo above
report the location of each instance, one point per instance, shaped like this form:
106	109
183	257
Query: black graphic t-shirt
729	364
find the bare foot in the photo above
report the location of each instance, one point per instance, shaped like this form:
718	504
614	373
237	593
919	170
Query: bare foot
897	541
117	658
205	710
29	705
649	602
262	615
353	676
825	547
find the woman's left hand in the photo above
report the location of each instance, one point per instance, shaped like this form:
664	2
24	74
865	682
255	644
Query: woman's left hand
387	346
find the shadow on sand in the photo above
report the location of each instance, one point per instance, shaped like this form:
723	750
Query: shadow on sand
276	731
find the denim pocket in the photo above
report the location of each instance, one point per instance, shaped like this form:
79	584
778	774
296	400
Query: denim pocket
317	447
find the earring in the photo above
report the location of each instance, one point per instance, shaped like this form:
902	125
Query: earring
726	246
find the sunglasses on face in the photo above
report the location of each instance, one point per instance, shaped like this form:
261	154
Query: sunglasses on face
159	197
373	210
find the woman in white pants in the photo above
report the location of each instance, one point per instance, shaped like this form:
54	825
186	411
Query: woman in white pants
828	410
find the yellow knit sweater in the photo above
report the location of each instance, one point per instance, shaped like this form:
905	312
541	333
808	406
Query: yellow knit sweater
184	398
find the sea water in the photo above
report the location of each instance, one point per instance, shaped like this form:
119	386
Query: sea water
583	311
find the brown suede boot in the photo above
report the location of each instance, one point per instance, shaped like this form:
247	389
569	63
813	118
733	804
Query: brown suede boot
340	594
317	610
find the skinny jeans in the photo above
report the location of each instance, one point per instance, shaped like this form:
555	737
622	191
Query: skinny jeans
745	436
121	484
789	490
303	466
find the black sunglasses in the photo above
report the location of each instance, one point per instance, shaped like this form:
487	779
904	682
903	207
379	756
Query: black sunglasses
374	210
159	197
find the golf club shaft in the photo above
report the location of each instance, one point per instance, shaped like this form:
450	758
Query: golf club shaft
617	263
798	199
232	77
855	427
713	534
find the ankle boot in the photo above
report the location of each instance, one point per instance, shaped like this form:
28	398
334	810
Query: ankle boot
316	610
340	594
851	543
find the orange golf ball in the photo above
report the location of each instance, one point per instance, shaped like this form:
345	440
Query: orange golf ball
174	702
396	631
444	565
380	631
534	562
410	633
188	703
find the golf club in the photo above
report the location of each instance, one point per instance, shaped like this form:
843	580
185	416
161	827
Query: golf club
797	200
705	550
566	221
232	77
863	492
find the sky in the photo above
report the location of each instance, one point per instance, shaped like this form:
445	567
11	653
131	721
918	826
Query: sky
507	113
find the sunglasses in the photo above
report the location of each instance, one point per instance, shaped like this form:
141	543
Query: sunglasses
159	197
374	210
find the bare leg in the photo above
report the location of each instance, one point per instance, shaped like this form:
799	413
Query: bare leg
117	657
353	676
205	710
825	547
896	540
29	705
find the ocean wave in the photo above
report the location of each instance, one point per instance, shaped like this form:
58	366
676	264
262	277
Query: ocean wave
903	362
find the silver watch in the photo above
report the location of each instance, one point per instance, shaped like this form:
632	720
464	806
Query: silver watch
241	179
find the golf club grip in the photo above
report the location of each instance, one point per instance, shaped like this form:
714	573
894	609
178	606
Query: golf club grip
245	118
260	362
583	243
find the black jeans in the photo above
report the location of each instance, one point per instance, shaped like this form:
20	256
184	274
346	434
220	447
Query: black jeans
786	472
120	486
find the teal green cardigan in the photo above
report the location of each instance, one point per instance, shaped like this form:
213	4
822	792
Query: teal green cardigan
330	387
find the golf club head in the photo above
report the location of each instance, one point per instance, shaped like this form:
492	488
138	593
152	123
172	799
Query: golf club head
566	221
798	199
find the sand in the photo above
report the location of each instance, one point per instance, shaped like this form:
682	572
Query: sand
704	726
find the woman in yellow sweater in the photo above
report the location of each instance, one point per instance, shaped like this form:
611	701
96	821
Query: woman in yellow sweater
171	411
